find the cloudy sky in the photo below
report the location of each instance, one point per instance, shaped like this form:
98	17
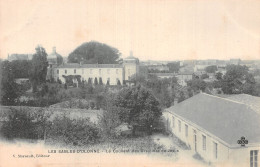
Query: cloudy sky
153	29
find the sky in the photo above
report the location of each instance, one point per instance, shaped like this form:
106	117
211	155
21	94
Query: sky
152	29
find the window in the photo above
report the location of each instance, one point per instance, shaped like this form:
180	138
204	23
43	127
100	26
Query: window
116	71
179	125
173	122
195	140
108	71
203	142
99	71
186	130
253	158
57	71
75	71
215	150
65	71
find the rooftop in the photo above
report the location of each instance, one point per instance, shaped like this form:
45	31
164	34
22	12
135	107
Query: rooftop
252	101
76	65
227	119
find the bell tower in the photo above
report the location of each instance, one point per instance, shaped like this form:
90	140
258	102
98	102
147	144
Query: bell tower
131	67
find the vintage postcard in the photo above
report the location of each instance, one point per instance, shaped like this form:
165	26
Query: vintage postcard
129	83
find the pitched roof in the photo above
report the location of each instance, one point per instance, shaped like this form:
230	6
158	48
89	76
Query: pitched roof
102	66
131	57
252	101
76	65
226	119
69	65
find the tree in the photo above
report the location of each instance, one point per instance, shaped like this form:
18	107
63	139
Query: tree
25	123
143	107
237	80
197	84
204	76
124	82
219	76
99	100
95	81
182	97
118	82
93	53
211	69
21	68
39	68
89	81
100	81
109	120
9	89
108	83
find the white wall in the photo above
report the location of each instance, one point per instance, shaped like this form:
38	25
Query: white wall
208	154
85	73
130	71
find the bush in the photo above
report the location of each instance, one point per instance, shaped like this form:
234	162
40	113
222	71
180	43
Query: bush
24	123
73	132
109	120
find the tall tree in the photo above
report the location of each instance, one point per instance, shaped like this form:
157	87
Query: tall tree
143	108
197	85
95	52
237	80
39	68
100	81
9	89
21	68
95	81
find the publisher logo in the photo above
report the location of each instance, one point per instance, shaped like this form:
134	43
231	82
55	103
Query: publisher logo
242	141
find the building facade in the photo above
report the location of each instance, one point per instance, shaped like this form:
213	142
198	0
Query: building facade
212	127
111	74
54	60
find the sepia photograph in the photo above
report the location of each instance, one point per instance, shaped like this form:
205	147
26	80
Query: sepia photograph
135	83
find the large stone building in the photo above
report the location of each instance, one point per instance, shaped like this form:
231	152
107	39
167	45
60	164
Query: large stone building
107	73
220	130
